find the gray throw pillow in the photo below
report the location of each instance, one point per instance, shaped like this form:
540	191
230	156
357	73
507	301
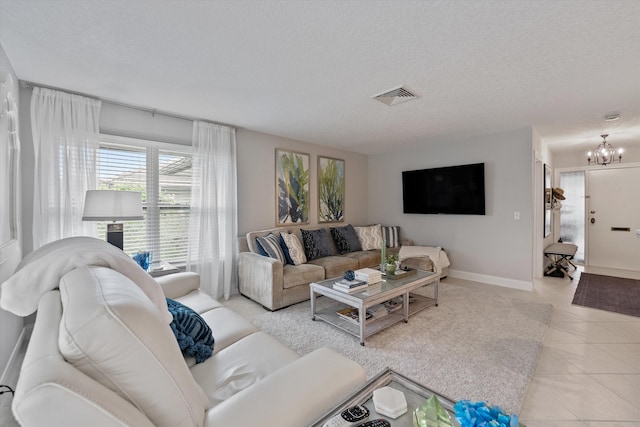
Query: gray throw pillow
316	244
345	239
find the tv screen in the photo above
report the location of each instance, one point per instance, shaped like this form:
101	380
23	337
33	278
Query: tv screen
450	190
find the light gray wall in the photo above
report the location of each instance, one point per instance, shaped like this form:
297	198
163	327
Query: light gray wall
10	325
257	183
494	247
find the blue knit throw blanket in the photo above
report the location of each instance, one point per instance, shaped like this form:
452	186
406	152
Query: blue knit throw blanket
192	332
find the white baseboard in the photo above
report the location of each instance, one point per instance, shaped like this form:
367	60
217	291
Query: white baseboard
492	280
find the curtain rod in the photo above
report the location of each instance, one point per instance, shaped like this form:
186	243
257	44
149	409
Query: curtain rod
30	85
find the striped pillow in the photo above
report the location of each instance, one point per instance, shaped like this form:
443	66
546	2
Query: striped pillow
392	236
271	245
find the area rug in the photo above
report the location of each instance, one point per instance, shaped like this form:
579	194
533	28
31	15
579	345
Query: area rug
609	293
473	346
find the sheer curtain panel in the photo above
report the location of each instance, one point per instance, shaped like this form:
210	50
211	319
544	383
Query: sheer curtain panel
65	131
213	224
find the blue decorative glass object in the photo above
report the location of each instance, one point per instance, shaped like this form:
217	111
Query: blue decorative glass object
144	259
479	414
349	275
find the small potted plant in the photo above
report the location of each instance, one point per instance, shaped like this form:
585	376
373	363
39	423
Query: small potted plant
390	261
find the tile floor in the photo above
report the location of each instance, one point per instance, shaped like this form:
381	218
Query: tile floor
588	372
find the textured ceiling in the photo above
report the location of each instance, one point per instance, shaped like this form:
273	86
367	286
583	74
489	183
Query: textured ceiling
307	70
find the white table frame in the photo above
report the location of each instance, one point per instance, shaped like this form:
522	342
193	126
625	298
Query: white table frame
374	294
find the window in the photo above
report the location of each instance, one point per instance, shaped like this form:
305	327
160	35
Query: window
162	174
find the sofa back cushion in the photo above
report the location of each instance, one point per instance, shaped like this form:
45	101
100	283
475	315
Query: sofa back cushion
111	331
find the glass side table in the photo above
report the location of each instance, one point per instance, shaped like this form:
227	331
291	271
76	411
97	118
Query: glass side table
415	394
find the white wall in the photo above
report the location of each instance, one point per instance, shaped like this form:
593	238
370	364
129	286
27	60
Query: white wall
493	248
257	184
10	325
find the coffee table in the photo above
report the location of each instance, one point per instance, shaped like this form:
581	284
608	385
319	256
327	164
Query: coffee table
415	394
374	294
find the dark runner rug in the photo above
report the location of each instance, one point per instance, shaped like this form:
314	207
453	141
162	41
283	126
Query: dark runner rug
608	293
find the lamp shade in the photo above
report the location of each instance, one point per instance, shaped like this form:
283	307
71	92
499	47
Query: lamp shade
112	205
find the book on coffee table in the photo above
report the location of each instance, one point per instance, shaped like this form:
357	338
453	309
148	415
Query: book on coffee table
352	315
349	286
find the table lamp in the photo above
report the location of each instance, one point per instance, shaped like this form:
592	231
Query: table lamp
113	205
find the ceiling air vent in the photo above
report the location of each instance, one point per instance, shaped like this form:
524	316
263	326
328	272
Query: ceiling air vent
395	96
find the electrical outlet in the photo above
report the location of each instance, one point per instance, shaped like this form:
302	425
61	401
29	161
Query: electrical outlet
516	215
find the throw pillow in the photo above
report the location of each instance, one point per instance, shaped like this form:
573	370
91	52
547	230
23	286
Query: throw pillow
346	239
370	237
294	247
316	243
271	246
285	250
392	236
192	332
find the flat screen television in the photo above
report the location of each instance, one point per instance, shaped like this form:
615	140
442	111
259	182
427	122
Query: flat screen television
455	190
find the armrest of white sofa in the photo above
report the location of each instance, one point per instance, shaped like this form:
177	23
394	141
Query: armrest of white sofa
260	278
179	284
295	395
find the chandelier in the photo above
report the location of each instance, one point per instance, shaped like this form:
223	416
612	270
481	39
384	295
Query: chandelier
604	153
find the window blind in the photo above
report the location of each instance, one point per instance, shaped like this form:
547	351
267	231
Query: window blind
163	177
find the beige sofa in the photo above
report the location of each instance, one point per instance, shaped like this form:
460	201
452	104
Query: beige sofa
102	354
274	285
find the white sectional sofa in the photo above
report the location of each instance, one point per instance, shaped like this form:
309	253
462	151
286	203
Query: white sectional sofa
102	354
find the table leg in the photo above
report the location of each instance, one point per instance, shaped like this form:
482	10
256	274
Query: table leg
363	317
313	305
435	290
405	306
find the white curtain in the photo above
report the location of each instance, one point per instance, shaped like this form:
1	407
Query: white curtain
213	224
65	131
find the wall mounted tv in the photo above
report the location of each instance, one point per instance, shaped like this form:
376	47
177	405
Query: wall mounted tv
455	190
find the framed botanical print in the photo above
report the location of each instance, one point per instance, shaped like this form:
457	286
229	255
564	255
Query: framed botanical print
330	189
292	187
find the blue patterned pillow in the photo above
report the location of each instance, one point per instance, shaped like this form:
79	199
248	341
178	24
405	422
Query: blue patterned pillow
271	245
192	332
346	239
316	243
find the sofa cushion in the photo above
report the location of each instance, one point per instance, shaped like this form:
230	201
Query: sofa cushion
346	239
191	331
316	243
370	237
365	258
111	331
391	235
241	365
335	266
294	247
199	301
271	246
303	274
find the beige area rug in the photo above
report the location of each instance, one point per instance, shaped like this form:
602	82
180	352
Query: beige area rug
473	346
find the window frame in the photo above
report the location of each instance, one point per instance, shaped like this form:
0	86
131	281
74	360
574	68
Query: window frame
156	147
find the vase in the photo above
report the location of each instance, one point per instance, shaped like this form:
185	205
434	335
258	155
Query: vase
391	268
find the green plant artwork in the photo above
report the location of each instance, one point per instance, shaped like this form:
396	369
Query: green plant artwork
330	189
292	176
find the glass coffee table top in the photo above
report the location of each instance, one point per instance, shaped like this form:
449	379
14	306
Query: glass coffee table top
414	393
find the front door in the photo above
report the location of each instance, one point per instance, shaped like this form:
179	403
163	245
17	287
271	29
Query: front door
613	218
